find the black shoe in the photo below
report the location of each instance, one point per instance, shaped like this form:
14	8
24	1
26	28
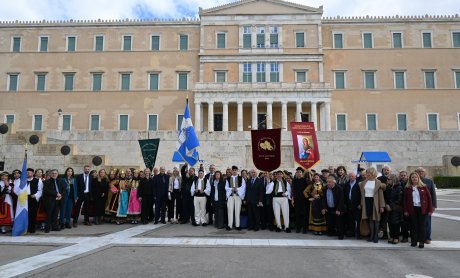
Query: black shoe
228	228
288	230
156	222
255	230
204	224
62	227
277	229
210	222
413	244
421	245
163	222
238	228
271	229
376	241
47	230
404	240
385	236
194	224
297	231
184	222
68	226
304	231
340	237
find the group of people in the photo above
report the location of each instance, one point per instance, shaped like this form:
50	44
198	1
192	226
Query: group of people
331	202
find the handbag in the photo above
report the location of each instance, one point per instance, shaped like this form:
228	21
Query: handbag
364	227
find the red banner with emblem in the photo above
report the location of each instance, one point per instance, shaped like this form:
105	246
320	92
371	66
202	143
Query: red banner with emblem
266	149
306	151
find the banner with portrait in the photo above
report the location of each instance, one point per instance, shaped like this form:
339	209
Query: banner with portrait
149	150
306	151
266	149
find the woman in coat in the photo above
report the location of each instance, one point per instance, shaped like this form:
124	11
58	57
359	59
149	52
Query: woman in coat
417	205
396	212
100	188
372	202
69	198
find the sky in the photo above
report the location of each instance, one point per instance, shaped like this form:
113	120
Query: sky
169	9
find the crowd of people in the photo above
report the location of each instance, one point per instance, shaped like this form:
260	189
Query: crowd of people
364	204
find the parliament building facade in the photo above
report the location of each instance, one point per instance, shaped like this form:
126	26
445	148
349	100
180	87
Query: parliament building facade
251	64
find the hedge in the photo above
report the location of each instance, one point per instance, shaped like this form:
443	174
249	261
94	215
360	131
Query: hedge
447	182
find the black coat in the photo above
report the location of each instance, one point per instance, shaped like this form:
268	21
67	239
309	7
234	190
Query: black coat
431	187
161	186
337	192
145	188
396	203
186	184
254	191
298	187
221	192
81	185
49	191
355	196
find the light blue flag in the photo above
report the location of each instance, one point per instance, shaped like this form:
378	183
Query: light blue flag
187	141
21	219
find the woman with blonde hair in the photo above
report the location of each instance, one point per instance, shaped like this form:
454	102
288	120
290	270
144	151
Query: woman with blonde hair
417	205
372	202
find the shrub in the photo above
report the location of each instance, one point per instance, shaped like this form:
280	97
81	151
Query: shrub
447	182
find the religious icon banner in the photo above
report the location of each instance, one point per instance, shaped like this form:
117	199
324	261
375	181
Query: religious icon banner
306	151
266	149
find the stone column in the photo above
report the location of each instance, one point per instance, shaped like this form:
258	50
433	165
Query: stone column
284	115
327	116
197	116
313	113
239	126
254	115
210	116
269	115
225	116
298	110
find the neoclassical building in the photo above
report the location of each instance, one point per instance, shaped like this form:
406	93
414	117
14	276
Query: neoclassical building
246	65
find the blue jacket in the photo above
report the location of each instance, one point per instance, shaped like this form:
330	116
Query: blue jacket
67	189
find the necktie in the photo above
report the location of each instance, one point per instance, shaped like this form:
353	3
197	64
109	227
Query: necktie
55	186
253	180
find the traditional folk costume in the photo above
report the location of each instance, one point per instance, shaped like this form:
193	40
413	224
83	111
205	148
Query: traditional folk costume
134	206
236	190
6	204
123	200
113	195
35	192
199	190
281	191
317	221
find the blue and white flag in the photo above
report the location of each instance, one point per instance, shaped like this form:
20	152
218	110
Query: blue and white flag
21	219
187	141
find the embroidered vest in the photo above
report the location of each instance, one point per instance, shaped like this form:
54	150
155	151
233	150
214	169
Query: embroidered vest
283	185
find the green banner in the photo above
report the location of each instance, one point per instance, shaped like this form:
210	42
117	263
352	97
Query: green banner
149	150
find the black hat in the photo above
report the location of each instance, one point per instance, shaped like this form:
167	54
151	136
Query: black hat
17	170
201	170
325	171
300	169
4	174
30	169
234	167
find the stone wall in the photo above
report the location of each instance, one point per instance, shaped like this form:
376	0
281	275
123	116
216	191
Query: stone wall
120	149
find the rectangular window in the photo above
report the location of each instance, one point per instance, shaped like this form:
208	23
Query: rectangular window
433	121
400	79
99	43
183	42
97	81
341	121
221	40
127	43
218	121
301	76
221	76
68	81
260	38
456	39
182	81
66	122
260	72
41	81
95	123
430	79
426	40
154	81
397	40
13	80
401	122
274	36
43	44
123	122
152	122
299	39
125	81
71	43
38	122
274	72
155	43
338	40
457	79
247	72
16	44
367	40
247	37
339	79
371	120
369	79
180	118
9	119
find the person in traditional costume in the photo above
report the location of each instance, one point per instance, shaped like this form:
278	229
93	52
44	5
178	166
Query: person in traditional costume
41	212
69	197
123	200
100	188
113	194
281	191
176	200
236	190
134	207
314	193
35	186
199	190
6	203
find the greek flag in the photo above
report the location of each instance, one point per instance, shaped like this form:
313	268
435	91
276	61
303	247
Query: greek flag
187	141
21	219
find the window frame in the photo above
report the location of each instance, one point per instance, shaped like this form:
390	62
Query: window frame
344	79
428	121
13	45
247	73
64	74
374	79
40	43
333	39
98	122
67	40
376	122
337	121
178	80
244	34
260	34
178	125
34	122
37	74
5	118
95	42
456	72
397	121
92	81
393	41
225	39
151	42
305	71
452	32
304	39
425	79
8	83
216	72
276	65
363	39
130	42
129	81
180	42
149	80
70	123
404	79
261	74
148	122
431	38
119	122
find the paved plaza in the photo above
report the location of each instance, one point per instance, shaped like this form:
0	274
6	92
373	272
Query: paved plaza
173	250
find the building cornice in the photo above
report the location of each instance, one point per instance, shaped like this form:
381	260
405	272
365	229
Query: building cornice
391	19
251	57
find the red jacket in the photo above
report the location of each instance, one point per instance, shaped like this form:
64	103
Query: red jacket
425	200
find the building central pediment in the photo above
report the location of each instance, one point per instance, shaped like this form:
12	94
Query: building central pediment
260	7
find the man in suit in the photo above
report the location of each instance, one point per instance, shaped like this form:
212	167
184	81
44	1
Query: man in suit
333	208
188	209
209	207
35	192
254	200
145	195
84	186
161	185
432	188
352	196
52	195
266	211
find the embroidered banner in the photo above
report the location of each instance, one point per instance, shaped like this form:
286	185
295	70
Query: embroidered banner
306	151
149	150
266	149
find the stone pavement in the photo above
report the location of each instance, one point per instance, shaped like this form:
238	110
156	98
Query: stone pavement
183	250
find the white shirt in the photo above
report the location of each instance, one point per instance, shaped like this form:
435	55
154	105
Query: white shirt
416	197
271	186
207	189
241	190
352	184
176	183
40	189
86	181
369	189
